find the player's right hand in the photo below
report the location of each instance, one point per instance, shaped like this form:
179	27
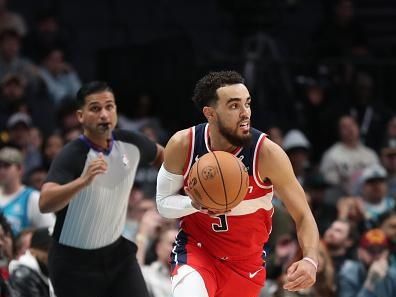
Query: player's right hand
97	166
201	208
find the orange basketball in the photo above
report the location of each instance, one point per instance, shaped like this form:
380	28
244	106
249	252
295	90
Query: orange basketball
218	181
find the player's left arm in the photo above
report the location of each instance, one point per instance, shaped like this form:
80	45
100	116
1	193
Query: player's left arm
275	165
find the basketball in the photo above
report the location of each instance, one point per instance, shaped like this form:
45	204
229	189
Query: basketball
218	181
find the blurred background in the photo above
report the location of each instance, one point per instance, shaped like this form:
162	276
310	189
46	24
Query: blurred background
152	52
322	75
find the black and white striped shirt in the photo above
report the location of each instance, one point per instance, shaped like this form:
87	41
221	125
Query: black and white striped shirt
95	217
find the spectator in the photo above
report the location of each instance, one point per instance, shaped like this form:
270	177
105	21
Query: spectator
137	207
388	159
12	97
315	114
282	256
22	242
71	134
11	20
60	78
51	148
6	246
19	125
342	35
6	255
367	109
18	202
143	117
157	274
146	175
29	273
46	33
66	116
391	127
371	274
297	146
10	59
316	189
148	231
339	238
35	178
342	163
324	286
275	133
374	201
387	223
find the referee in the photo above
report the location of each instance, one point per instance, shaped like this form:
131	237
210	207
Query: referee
88	187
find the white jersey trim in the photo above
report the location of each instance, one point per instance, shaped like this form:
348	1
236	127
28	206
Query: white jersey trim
256	178
252	205
191	152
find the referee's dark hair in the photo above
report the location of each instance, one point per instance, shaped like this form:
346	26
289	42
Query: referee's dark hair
91	88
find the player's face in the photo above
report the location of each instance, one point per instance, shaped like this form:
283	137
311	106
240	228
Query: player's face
99	114
233	114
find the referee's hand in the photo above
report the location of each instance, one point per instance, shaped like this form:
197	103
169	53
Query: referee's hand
97	166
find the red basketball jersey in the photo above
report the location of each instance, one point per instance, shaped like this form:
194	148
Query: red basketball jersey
240	234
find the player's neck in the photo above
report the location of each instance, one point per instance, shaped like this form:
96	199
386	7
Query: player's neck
218	143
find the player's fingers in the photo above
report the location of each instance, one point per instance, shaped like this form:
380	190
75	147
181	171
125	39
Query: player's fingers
301	286
295	275
295	284
305	283
292	269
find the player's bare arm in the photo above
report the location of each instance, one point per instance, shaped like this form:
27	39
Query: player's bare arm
170	178
54	197
275	165
176	151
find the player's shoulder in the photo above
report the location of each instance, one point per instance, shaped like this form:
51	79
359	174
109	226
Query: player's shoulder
271	150
181	138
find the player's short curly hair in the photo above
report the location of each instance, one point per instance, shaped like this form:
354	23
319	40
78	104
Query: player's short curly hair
205	89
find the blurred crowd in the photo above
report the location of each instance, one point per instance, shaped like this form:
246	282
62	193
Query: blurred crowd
340	138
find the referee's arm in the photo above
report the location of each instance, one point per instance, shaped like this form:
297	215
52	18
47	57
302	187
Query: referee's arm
159	158
54	196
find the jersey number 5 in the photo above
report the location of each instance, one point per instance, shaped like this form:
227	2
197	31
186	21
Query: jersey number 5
222	226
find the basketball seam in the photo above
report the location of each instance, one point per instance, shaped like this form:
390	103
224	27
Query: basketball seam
203	188
222	180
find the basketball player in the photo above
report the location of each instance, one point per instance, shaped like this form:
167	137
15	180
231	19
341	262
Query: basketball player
222	256
88	186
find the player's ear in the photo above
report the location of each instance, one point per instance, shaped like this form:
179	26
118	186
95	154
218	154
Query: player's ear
208	112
